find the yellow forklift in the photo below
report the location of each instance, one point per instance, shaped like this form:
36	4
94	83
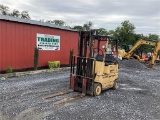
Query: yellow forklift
94	69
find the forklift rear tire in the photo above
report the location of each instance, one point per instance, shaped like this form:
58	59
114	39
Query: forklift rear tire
115	86
97	89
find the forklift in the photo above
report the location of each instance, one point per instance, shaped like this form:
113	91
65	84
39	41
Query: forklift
94	69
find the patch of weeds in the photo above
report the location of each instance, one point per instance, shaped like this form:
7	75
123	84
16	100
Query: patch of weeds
9	69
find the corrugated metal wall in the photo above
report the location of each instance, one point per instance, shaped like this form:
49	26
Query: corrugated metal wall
18	40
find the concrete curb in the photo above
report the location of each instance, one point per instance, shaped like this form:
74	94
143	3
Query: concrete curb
18	74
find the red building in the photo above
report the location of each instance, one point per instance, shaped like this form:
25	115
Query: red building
18	39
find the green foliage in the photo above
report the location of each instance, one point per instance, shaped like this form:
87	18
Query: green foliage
102	31
56	22
53	64
78	27
111	32
4	10
146	48
70	56
153	37
88	25
9	69
50	64
36	56
15	13
25	15
125	33
56	64
59	22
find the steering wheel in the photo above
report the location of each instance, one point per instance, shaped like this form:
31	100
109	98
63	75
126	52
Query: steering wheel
99	50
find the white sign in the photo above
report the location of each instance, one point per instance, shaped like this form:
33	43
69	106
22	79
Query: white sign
48	42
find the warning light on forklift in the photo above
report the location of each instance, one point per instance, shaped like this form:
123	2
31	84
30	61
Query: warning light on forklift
103	46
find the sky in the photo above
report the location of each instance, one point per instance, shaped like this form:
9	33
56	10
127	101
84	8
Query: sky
108	14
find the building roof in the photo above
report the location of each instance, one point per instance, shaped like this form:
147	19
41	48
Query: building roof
33	22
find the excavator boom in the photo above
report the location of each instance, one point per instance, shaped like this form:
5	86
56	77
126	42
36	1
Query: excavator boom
140	42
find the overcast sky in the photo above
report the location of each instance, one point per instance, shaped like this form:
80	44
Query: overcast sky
144	14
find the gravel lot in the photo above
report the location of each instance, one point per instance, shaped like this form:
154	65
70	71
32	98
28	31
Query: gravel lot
137	98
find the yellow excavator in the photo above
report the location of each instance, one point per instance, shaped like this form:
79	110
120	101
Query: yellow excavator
155	56
94	68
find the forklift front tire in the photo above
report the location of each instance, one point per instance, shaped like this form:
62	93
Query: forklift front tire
97	89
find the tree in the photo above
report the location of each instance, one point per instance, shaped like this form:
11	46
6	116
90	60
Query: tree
25	15
49	21
102	31
15	13
88	25
111	32
4	10
59	22
153	37
126	32
67	26
78	27
56	22
42	20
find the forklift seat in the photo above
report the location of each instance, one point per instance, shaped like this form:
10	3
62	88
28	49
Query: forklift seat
109	59
99	57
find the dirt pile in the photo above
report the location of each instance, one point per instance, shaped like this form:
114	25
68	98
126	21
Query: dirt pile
132	64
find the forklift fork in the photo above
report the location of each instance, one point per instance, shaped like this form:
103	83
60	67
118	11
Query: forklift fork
84	89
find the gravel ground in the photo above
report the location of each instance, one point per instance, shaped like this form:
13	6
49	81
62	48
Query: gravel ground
137	98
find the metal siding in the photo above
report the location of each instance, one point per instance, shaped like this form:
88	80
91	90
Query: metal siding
19	40
3	55
33	22
0	45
